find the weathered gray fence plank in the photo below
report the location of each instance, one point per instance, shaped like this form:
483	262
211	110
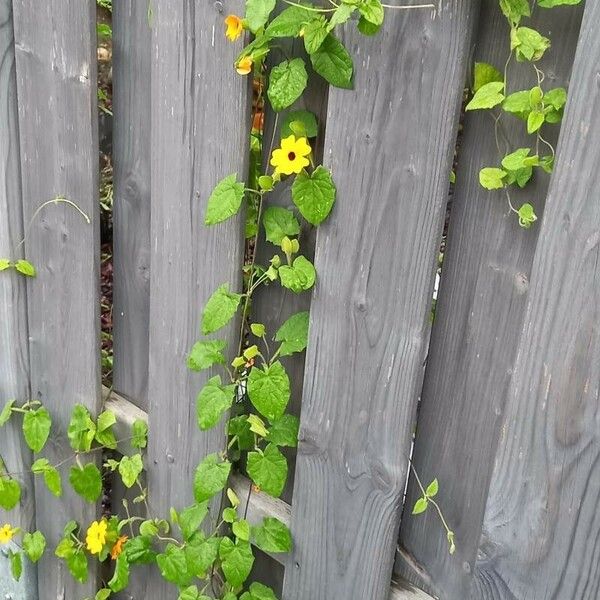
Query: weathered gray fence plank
541	523
56	77
200	133
14	355
391	156
478	321
132	39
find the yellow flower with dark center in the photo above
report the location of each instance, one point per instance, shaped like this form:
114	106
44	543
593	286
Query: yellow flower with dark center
244	67
234	27
291	157
96	536
6	533
117	549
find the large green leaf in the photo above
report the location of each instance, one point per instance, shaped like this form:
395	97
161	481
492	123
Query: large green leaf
289	22
10	493
213	401
314	194
272	536
236	560
86	481
210	477
225	200
205	354
219	309
287	81
332	62
372	11
82	429
487	96
284	431
268	470
298	277
104	432
293	334
172	565
269	390
130	468
278	223
257	13
36	428
34	545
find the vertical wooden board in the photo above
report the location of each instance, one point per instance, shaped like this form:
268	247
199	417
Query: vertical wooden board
478	320
56	79
391	155
14	353
132	40
541	521
200	134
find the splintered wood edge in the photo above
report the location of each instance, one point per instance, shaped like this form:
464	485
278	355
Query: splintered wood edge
256	505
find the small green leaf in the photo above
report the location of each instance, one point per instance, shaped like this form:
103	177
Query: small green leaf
293	334
308	121
420	506
372	11
257	13
268	470
535	120
343	12
278	223
191	518
225	200
527	216
210	478
491	178
190	593
78	565
6	412
220	309
205	354
332	61
236	561
298	277
139	434
518	104
284	431
287	81
82	429
130	468
518	159
213	401
10	493
103	594
432	489
269	390
139	550
258	329
34	545
487	96
529	44
485	73
86	481
36	428
367	28
201	554
4	264
104	433
553	3
25	267
314	194
514	10
241	529
16	564
51	475
272	536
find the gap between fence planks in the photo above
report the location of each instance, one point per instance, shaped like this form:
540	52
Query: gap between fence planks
59	157
478	320
259	506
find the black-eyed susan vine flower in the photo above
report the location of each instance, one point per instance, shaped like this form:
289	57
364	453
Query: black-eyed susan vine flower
117	549
96	536
244	66
235	26
291	157
7	533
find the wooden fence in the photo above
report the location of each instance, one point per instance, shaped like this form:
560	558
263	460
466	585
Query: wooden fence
502	390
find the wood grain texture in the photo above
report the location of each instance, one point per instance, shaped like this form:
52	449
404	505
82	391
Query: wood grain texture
132	40
56	78
391	155
541	525
478	321
200	134
14	354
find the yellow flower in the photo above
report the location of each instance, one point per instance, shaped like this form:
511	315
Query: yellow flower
234	27
117	549
244	67
96	536
291	157
6	533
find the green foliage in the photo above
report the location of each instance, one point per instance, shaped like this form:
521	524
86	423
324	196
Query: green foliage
268	469
314	195
225	200
332	62
220	309
205	354
36	428
287	82
86	481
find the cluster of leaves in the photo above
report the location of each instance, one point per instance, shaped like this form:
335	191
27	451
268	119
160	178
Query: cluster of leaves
22	266
536	106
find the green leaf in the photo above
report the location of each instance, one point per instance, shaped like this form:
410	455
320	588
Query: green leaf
332	62
10	493
130	468
200	554
420	506
25	267
367	28
139	433
553	3
547	163
268	470
487	96
278	223
518	159
314	194
16	564
269	390
225	200
86	481
78	565
284	431
527	216
82	429
241	529
287	81
213	401
491	178
299	277
293	334
534	121
190	593
205	354
514	10
258	591
272	536
102	594
210	478
236	561
220	309
34	545
4	264
258	329
139	550
120	578
6	412
372	11
104	433
257	13
288	23
240	427
518	104
191	518
51	475
341	15
529	44
484	74
173	565
556	98
36	428
315	32
432	489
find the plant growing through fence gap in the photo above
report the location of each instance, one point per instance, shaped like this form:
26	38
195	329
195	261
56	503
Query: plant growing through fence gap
536	107
214	560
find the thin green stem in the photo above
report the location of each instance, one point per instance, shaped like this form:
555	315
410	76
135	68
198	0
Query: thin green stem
310	8
408	6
